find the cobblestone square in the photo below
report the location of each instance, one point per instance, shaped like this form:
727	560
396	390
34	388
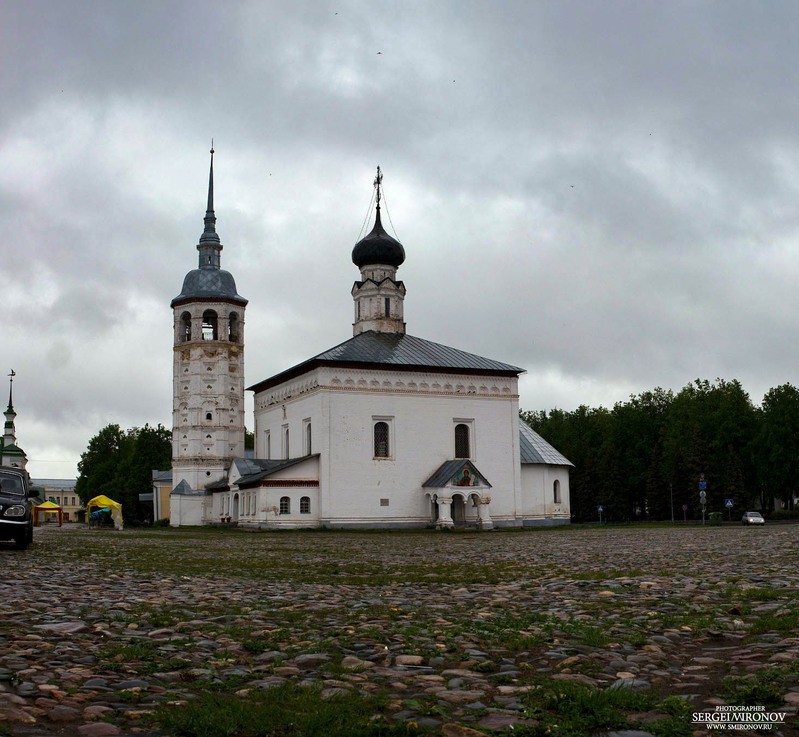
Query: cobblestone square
100	627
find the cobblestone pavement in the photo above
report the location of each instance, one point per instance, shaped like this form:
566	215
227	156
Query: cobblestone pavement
99	628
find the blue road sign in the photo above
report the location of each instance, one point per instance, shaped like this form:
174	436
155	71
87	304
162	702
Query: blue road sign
702	485
728	503
599	508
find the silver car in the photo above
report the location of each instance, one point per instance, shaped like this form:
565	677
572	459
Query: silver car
753	518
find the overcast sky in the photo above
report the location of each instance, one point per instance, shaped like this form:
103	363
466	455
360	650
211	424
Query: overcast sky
604	193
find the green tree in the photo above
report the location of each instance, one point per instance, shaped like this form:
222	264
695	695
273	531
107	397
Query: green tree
710	431
98	463
120	464
778	446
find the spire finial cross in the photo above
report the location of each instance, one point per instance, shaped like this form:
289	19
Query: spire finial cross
378	184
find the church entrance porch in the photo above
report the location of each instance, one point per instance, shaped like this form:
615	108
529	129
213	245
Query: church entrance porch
459	496
460	511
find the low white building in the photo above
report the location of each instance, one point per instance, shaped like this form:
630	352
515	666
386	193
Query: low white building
385	430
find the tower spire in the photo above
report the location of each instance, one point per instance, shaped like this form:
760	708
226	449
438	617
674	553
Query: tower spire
210	207
10	390
209	245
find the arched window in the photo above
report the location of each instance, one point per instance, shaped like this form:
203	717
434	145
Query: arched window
462	441
286	444
388	307
285	505
556	492
233	327
185	327
381	440
210	330
308	439
209	416
305	505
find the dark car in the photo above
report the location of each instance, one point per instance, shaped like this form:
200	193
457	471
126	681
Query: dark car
16	507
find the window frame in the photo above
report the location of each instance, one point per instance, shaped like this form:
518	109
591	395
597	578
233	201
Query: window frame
470	439
389	441
285	505
463	438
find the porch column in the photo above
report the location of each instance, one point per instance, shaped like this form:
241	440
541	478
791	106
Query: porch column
483	516
444	512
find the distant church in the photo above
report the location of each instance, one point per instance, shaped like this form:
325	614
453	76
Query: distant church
10	453
385	430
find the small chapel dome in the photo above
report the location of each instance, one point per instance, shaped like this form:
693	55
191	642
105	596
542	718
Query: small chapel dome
378	248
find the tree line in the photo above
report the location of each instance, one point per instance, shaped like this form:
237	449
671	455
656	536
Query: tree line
119	464
644	458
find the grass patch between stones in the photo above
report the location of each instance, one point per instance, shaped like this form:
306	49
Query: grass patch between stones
288	711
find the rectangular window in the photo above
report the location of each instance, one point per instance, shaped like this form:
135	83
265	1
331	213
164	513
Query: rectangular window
463	436
383	437
307	437
384	502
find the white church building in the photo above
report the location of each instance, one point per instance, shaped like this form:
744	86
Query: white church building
384	430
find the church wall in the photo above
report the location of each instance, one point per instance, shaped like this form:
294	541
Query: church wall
421	430
420	409
538	494
188	510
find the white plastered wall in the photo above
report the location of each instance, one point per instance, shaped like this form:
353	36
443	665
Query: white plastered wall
421	410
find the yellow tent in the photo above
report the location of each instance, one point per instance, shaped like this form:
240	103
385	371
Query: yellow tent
45	508
102	502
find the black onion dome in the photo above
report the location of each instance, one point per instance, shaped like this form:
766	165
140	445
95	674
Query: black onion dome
378	248
214	284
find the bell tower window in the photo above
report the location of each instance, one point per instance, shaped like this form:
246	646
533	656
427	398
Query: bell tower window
210	325
185	327
233	327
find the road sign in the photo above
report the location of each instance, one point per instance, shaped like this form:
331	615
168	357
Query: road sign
599	508
702	494
702	485
684	507
728	503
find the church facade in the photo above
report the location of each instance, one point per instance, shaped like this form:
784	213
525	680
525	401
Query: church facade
384	430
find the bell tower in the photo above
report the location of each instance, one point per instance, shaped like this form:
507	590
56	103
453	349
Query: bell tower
208	366
379	297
